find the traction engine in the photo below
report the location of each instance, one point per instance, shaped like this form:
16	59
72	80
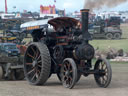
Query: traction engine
61	47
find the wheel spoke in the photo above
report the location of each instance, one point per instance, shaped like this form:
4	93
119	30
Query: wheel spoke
40	61
31	71
105	78
67	81
101	80
39	57
64	77
39	66
70	78
37	53
33	77
38	71
28	63
34	52
37	75
102	64
64	72
71	71
68	66
106	69
106	74
30	55
65	67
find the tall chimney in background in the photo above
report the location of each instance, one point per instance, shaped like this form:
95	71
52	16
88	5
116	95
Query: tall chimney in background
6	9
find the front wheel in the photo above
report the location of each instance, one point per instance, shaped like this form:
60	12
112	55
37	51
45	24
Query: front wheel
69	73
104	73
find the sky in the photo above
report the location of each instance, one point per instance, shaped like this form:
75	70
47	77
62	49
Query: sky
68	5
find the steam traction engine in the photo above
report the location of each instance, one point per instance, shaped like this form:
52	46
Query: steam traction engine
63	48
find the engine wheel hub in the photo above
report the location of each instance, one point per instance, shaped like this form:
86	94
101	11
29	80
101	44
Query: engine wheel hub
34	63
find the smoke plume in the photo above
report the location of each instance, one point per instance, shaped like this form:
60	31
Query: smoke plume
98	4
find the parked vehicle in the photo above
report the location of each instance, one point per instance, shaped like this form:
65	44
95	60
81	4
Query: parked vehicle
15	31
11	63
107	32
109	28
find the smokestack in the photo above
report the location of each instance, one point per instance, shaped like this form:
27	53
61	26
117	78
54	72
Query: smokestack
6	9
85	19
98	4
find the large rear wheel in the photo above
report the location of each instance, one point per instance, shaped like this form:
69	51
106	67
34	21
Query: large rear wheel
104	73
69	73
37	64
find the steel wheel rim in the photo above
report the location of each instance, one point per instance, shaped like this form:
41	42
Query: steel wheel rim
67	74
103	77
33	64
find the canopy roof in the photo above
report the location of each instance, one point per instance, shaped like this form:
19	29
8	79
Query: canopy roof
58	22
63	22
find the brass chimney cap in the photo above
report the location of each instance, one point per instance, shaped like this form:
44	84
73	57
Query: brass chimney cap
84	10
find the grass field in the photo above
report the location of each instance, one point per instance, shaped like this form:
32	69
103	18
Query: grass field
117	44
1	31
105	44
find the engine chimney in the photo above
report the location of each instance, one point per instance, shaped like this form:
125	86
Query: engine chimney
85	51
85	19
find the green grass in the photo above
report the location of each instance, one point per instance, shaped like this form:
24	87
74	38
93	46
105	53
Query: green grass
27	40
115	62
1	31
105	44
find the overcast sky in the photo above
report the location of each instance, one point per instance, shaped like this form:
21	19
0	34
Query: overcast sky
69	5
